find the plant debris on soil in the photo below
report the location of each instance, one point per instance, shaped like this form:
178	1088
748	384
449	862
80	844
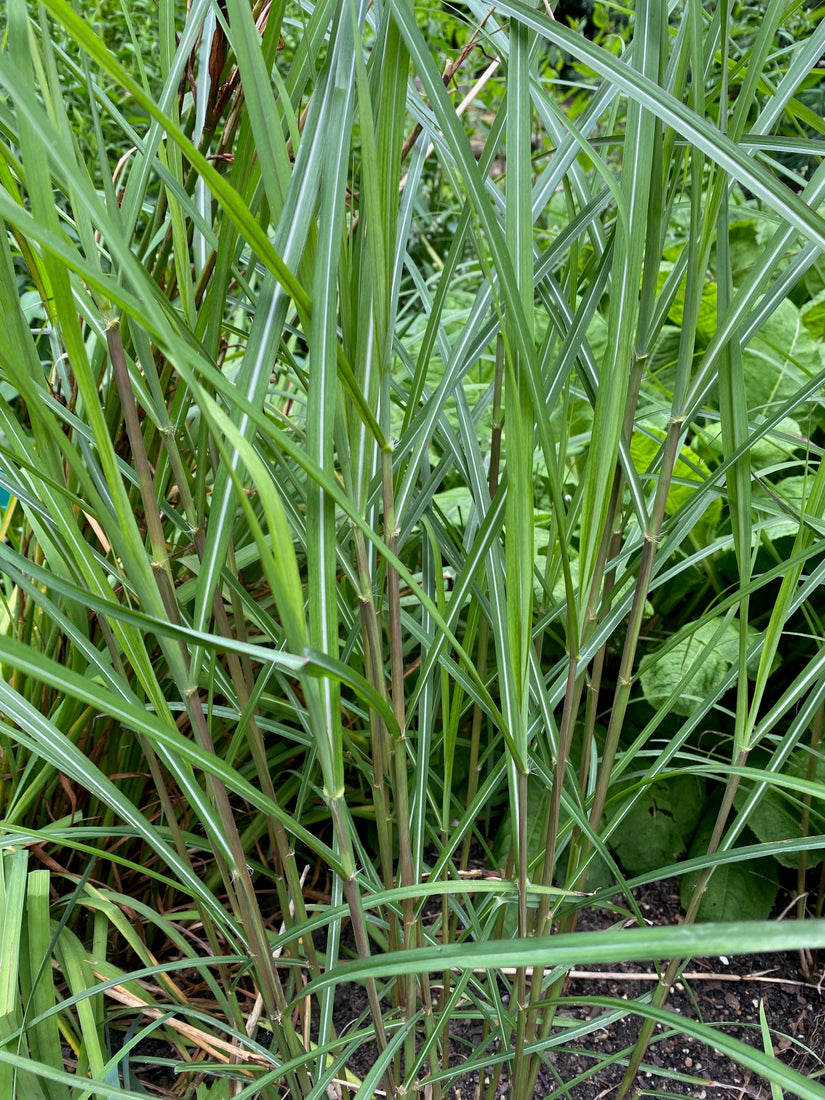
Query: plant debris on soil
724	993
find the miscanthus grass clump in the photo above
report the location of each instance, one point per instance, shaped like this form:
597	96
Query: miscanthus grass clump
411	429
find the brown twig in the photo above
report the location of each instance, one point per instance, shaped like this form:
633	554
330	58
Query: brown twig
450	70
652	976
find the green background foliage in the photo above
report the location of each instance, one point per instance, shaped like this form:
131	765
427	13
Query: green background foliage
411	423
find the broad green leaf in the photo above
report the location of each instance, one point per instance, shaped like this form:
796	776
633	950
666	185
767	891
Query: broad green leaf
784	501
778	814
217	1090
813	316
779	444
711	651
707	316
659	827
740	891
781	359
645	446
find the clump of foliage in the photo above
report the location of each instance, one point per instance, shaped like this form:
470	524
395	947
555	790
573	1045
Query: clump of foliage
404	449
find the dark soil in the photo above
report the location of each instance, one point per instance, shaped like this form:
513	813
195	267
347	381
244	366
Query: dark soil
724	993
